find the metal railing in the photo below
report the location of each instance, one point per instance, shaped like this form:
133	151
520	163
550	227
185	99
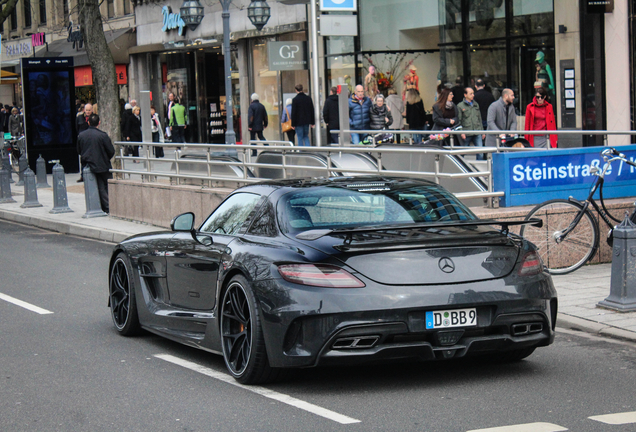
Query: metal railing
238	158
247	165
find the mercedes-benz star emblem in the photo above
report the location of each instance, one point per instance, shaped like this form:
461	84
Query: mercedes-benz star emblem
446	265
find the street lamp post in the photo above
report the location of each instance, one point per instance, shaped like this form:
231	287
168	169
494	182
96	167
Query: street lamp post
230	135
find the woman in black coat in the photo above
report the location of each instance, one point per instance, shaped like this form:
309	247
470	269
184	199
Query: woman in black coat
380	114
415	114
132	131
445	113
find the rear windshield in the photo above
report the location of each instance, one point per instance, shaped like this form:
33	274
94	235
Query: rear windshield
341	207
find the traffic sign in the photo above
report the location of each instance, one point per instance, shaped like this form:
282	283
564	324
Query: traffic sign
338	5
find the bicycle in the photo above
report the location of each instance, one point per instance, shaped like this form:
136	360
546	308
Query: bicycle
569	236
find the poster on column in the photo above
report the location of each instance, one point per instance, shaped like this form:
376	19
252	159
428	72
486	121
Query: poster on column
48	95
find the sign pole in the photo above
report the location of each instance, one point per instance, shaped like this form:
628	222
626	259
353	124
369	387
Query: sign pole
315	86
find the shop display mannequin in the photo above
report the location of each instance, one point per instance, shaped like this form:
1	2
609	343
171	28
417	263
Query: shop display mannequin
371	83
543	76
411	81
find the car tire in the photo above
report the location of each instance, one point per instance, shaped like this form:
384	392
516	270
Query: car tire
242	335
122	300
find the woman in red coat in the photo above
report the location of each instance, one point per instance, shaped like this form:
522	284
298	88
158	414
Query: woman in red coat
540	116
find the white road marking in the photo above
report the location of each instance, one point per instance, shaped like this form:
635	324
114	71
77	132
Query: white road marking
528	427
23	304
280	397
616	419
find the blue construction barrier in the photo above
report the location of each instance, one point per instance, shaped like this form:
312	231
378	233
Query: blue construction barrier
533	177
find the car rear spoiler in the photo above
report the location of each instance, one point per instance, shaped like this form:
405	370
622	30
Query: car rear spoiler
318	233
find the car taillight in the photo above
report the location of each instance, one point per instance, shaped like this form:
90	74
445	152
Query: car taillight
319	275
531	264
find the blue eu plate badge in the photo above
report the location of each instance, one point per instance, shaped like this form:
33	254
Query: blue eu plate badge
338	5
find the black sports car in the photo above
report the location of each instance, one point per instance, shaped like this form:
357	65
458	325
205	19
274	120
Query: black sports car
306	272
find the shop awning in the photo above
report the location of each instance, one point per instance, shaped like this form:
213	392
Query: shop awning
119	41
9	77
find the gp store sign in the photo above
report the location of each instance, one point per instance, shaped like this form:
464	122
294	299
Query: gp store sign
534	177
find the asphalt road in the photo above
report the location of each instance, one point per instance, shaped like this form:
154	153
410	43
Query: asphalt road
68	370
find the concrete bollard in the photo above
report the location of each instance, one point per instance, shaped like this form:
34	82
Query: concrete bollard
60	198
30	191
91	193
5	187
23	165
6	164
40	173
622	296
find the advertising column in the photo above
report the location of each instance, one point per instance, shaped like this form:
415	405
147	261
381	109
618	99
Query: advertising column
48	94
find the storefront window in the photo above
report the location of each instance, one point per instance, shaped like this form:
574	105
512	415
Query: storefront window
266	85
532	17
341	69
533	66
487	19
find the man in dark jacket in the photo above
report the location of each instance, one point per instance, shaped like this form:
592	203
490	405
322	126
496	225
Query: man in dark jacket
96	150
458	90
302	116
484	98
359	114
257	118
82	120
330	113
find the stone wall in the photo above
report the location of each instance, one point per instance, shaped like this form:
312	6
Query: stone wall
157	204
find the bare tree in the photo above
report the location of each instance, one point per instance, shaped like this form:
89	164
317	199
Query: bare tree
6	7
103	65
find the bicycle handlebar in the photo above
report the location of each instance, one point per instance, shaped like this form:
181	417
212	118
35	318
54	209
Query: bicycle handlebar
618	155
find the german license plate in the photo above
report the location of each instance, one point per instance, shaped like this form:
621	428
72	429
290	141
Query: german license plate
451	318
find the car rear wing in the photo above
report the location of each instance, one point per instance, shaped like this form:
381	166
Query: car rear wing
349	232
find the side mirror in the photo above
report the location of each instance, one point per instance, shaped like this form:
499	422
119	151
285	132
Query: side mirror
183	222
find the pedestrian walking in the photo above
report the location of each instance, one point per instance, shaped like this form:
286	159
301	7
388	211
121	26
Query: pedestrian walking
379	114
157	132
469	118
331	115
458	90
359	114
291	133
257	117
484	98
303	115
133	131
415	114
445	111
15	123
540	116
396	106
178	122
127	112
82	120
96	150
169	113
501	116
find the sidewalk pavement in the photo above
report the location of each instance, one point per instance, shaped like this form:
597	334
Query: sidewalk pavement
579	292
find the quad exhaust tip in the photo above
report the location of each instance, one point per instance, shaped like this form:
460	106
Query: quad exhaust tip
526	328
356	342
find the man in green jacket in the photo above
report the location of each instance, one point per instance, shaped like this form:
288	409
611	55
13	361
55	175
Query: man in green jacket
469	118
178	122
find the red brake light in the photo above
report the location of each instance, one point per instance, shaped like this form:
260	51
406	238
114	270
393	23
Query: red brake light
319	275
531	264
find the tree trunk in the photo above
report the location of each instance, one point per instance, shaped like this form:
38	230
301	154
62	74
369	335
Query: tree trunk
103	65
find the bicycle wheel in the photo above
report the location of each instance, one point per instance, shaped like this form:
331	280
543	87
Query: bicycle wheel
577	247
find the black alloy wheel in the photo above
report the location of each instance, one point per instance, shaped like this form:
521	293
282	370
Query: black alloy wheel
242	335
123	307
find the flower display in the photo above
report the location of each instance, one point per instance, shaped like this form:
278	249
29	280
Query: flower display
390	68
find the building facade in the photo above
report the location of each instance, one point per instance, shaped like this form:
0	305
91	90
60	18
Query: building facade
46	28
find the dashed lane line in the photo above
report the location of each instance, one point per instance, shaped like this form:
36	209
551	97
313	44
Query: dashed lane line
280	397
616	419
24	304
527	427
